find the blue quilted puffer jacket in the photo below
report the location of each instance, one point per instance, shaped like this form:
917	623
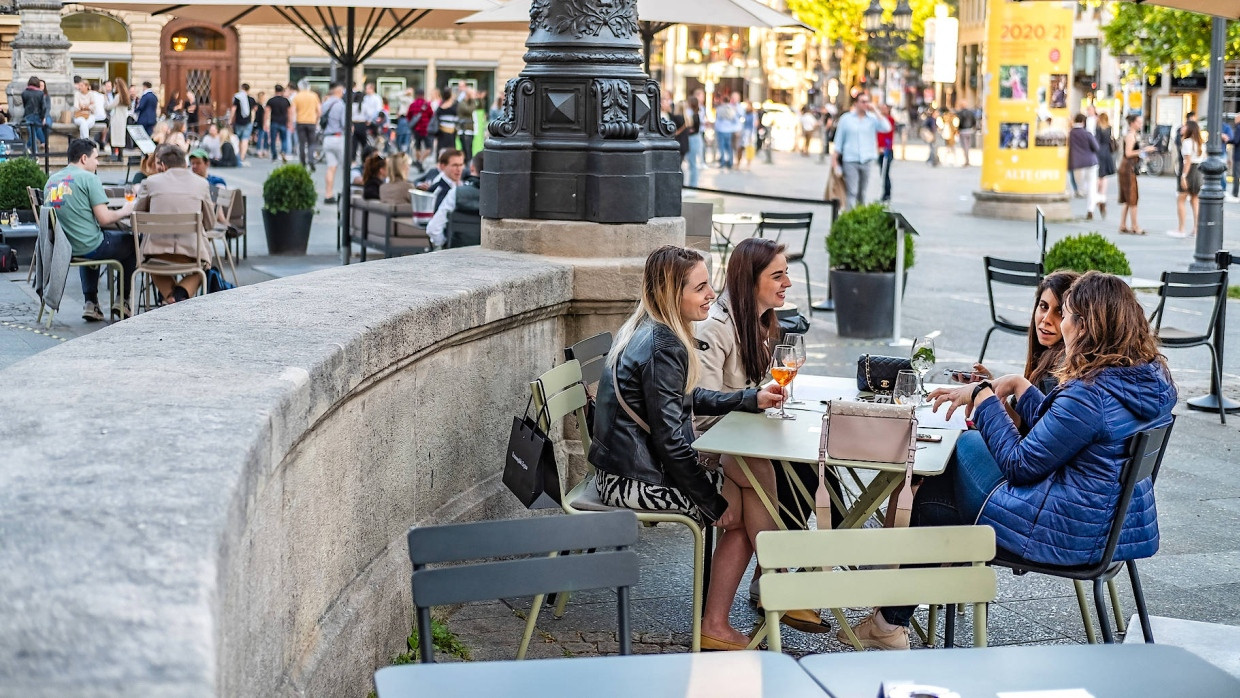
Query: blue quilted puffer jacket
1061	481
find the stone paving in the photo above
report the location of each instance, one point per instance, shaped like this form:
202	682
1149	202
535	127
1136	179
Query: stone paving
1195	576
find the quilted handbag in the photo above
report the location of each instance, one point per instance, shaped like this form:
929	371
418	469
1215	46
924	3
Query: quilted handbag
874	433
877	374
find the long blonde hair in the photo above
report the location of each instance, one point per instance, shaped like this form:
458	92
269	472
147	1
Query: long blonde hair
663	283
398	167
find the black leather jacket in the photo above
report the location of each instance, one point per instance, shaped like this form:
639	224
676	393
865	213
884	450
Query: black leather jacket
652	374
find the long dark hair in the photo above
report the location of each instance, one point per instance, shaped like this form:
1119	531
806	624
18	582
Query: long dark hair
1040	361
745	266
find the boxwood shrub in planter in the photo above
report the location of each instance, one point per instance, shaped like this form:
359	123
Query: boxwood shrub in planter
15	175
288	209
1087	252
862	247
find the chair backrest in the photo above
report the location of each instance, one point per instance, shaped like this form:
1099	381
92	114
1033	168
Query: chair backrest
562	392
1192	284
1010	273
168	225
35	195
1145	454
464	230
852	586
591	353
775	225
607	562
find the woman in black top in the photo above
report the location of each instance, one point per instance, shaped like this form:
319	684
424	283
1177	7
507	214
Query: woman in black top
445	114
374	174
678	120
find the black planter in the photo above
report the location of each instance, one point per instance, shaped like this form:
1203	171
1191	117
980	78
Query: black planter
288	232
864	302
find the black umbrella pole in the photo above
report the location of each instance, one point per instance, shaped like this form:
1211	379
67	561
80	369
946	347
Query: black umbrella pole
346	162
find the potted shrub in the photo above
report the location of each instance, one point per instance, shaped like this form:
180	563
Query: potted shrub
862	247
288	209
15	175
1087	252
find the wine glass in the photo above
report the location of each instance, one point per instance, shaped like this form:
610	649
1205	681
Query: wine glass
797	342
922	360
783	370
129	193
908	389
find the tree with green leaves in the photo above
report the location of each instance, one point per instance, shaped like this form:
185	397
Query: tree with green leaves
842	20
1158	37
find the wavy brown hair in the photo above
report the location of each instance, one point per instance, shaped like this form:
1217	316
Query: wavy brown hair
745	266
1041	361
1111	328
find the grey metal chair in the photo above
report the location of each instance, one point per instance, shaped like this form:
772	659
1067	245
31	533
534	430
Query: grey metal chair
1145	454
1194	284
591	353
1010	273
606	561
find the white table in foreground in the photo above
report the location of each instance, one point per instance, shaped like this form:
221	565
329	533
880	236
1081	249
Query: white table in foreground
749	674
1105	671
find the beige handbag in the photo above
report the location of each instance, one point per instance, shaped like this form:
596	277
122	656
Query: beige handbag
867	432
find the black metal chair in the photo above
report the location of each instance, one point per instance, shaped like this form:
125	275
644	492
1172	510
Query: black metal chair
1009	273
1145	455
1194	284
606	562
591	353
796	225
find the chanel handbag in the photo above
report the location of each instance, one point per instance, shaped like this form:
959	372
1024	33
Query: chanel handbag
873	433
877	374
530	472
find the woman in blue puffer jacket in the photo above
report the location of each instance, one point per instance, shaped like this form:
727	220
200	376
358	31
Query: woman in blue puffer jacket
1051	495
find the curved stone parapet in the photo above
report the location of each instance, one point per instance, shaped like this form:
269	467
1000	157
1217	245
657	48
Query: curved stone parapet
212	499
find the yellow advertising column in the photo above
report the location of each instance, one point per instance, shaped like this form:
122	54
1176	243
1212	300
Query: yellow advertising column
1025	146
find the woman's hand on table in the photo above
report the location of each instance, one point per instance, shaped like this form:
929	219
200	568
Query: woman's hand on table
986	373
770	396
955	398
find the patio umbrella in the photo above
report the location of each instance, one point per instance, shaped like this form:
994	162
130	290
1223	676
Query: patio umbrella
350	32
656	15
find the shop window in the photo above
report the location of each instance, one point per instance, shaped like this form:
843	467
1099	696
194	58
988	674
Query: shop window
92	26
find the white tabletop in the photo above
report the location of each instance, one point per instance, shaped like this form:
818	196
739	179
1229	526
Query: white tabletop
737	218
1105	671
755	436
749	674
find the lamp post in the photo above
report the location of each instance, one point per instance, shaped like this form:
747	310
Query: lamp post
885	38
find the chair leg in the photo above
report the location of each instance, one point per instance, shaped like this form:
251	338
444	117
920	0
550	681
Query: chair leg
980	616
622	613
530	622
773	642
949	627
1103	622
809	290
426	643
932	626
1139	595
561	602
1120	625
1217	374
699	596
1079	586
985	343
708	555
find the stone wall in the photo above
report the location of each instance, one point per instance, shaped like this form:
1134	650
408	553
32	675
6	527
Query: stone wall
212	499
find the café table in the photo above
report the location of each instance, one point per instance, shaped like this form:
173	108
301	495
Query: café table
725	224
747	674
745	435
1062	671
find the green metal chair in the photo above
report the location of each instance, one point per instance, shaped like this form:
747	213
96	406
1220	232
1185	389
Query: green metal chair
839	580
562	392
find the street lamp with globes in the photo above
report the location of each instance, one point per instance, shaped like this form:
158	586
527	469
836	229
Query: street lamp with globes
885	38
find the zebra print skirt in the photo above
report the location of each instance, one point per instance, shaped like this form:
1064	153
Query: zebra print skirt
620	491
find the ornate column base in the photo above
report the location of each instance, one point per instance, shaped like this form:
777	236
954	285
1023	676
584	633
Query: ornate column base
1021	207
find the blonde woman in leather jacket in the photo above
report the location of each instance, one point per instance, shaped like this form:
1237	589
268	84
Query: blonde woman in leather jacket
642	449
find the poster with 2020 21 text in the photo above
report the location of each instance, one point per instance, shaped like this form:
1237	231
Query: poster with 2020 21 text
1028	64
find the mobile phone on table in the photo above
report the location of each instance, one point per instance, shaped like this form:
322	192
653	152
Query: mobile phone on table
961	376
929	438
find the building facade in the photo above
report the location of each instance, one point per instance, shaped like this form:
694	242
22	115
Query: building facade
178	56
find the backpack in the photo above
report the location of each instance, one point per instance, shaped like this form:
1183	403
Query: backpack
215	281
8	259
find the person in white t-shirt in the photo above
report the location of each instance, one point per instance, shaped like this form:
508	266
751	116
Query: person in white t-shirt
1193	153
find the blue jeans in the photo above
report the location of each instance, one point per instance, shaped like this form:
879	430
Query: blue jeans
260	138
279	134
116	245
954	498
723	141
885	159
696	146
35	135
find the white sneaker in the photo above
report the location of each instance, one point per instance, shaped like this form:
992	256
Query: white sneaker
91	312
1177	234
1232	199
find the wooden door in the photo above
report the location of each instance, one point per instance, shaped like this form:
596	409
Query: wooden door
203	58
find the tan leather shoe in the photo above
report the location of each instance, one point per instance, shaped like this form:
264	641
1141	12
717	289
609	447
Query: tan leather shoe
872	637
806	620
714	644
